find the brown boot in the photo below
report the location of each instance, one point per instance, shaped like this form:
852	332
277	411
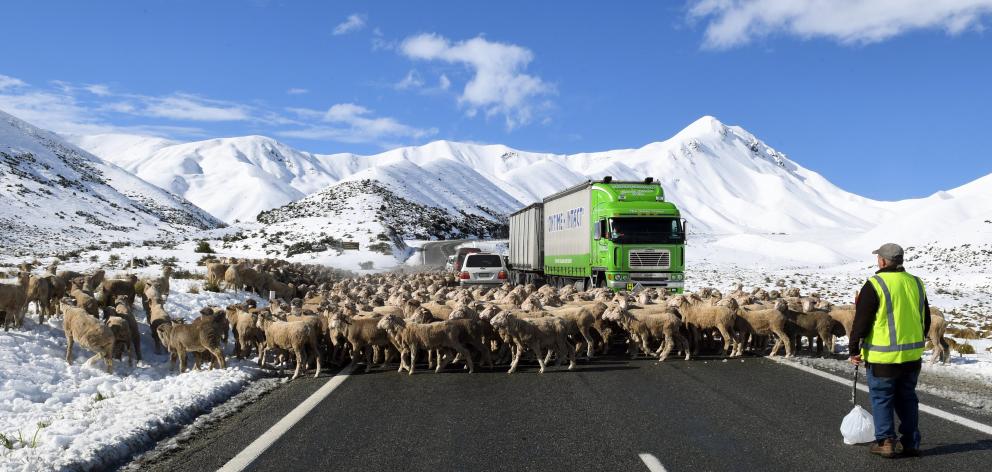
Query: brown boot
885	448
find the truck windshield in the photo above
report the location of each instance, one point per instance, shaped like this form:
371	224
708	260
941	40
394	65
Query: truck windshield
638	230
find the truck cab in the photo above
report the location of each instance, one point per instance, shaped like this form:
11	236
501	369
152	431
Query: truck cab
638	237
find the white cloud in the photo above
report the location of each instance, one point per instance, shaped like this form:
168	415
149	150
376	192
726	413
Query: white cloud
98	89
297	91
444	82
193	108
352	123
736	22
7	82
499	85
354	22
412	80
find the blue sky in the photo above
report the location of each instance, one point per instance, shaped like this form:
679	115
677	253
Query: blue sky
886	98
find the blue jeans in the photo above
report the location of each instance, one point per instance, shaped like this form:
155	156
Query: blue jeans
895	395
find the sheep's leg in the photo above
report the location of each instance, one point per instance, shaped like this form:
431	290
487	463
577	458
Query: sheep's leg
298	350
443	359
570	352
588	340
516	358
727	344
403	354
219	355
68	348
369	354
261	355
685	346
537	350
413	359
181	354
547	357
666	347
317	355
108	358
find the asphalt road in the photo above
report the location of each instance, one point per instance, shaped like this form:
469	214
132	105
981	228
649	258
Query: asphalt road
696	415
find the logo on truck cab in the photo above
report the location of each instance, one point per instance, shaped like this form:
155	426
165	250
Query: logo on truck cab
565	220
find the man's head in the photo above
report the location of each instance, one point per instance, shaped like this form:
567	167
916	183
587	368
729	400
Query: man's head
889	255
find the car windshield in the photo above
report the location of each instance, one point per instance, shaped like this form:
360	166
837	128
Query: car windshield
483	260
646	230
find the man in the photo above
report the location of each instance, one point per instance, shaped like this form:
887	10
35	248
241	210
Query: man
891	319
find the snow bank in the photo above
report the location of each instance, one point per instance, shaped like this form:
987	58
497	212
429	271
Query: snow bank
56	416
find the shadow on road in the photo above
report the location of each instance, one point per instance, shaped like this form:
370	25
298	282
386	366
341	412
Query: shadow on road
944	449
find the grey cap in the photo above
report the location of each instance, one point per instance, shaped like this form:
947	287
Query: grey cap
889	251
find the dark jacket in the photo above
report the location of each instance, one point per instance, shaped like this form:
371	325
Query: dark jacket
866	307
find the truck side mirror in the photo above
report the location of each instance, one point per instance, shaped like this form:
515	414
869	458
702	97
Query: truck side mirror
597	232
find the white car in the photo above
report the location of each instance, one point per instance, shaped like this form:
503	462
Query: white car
483	269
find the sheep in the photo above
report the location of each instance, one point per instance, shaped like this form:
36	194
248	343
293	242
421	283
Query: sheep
109	289
122	338
700	316
164	286
202	335
40	292
156	318
232	278
89	332
768	322
813	324
844	315
293	336
362	334
215	272
13	301
645	326
583	321
938	326
411	337
534	334
247	335
123	311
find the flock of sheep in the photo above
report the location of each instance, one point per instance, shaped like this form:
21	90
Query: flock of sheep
316	314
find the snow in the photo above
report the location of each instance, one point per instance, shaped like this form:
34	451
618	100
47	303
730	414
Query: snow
60	416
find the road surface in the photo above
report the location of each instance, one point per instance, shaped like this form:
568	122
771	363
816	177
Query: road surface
699	415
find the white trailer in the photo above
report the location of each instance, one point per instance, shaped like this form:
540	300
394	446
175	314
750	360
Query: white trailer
526	241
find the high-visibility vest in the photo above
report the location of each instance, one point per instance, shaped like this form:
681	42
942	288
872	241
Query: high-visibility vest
897	335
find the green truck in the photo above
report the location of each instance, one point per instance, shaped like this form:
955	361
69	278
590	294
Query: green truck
604	233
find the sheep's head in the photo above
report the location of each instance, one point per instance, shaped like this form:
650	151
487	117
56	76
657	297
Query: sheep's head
501	319
678	301
808	304
618	314
422	315
67	302
532	303
781	305
729	303
488	312
391	323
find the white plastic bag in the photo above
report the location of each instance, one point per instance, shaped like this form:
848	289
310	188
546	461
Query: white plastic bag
858	426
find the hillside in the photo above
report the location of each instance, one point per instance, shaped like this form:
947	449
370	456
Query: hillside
56	196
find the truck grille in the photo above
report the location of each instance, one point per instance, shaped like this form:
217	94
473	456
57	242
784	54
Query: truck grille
654	258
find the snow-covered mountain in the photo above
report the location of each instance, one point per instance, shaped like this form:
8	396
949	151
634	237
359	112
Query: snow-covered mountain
55	196
726	180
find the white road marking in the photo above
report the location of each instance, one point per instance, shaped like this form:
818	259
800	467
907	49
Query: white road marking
654	465
967	423
258	446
